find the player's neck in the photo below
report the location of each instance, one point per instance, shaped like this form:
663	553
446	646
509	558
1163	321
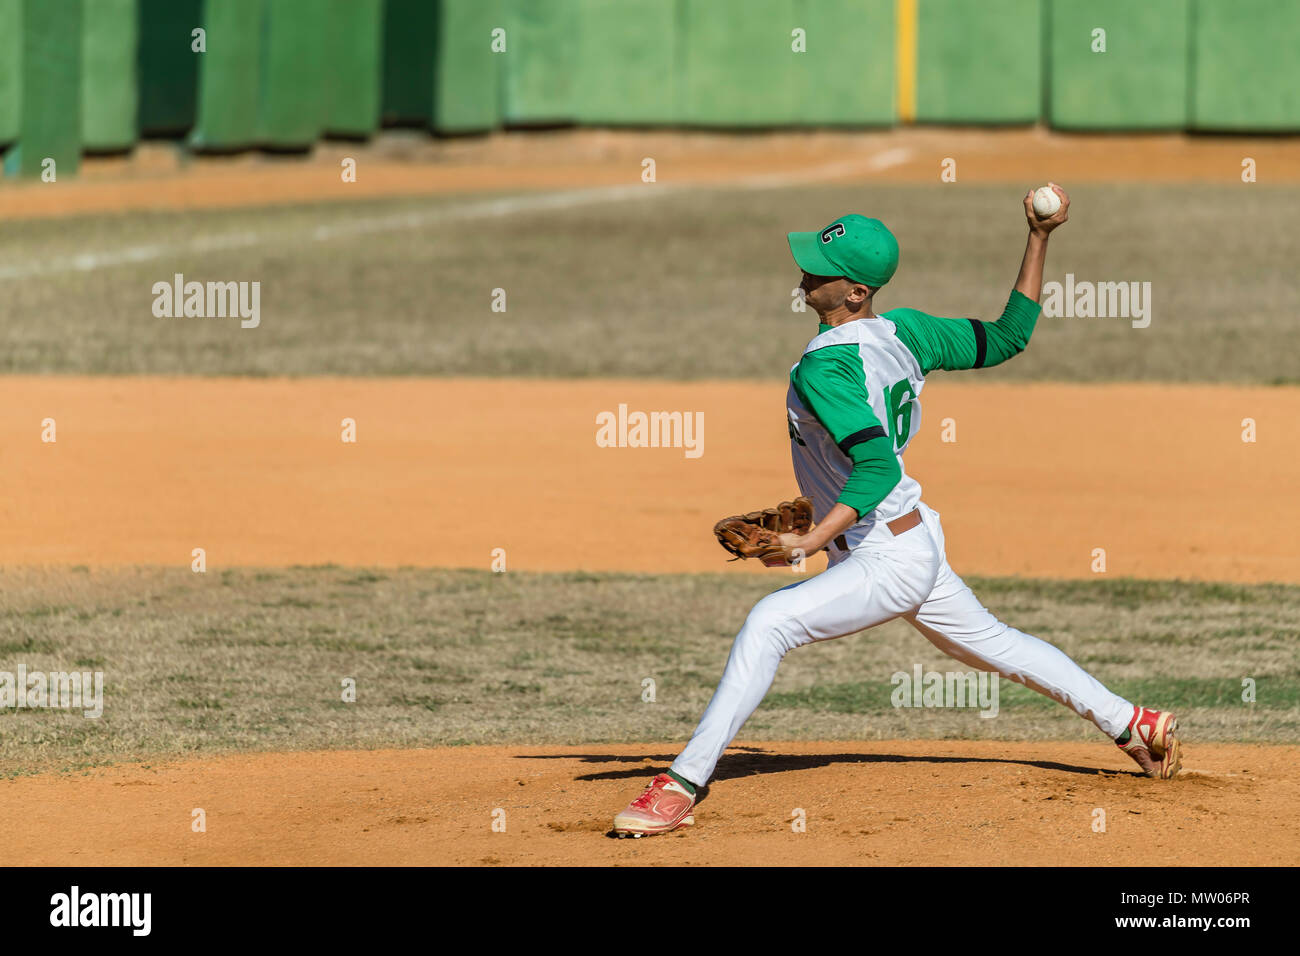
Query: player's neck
840	315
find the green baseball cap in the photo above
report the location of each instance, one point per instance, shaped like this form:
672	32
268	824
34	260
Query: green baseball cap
852	246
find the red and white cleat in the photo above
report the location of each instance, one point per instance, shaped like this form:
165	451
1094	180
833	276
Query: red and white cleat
1150	741
663	807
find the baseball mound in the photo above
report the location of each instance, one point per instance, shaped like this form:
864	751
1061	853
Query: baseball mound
878	803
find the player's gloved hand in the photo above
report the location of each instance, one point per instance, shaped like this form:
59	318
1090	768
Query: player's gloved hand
762	534
1042	227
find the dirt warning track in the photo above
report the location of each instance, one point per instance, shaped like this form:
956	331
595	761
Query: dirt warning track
255	472
157	176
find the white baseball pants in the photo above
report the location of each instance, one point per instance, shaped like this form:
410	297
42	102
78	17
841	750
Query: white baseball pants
905	576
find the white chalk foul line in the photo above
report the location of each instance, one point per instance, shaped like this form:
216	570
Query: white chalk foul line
837	170
484	209
479	209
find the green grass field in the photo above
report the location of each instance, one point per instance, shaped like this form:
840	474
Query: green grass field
255	660
630	287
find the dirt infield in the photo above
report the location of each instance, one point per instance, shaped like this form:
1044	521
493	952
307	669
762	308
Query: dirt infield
254	472
884	803
161	177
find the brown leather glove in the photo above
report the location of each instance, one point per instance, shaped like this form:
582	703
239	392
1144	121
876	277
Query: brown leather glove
757	534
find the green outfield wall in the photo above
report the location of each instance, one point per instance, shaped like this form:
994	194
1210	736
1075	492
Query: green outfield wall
542	61
11	70
229	76
627	68
410	29
1116	64
108	75
979	61
859	89
167	68
292	106
467	72
736	64
49	101
352	66
81	76
1246	56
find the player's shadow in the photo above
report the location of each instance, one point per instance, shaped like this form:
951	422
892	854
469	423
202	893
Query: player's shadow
750	761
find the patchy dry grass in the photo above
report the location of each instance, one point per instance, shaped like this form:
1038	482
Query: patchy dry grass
255	660
703	267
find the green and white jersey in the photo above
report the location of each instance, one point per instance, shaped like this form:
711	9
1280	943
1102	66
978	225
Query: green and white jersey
854	403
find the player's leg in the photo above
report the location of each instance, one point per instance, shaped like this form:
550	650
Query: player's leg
955	621
865	589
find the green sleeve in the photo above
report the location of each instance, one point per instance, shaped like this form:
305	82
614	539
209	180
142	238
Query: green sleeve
875	473
954	344
832	385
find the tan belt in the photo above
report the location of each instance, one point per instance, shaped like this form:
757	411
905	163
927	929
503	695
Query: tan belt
906	523
896	527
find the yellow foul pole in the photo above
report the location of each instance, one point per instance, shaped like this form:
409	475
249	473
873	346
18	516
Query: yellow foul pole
906	57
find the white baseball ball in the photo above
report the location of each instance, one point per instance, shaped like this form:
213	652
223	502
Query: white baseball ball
1046	202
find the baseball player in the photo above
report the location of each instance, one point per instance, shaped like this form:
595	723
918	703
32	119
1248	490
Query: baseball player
853	406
